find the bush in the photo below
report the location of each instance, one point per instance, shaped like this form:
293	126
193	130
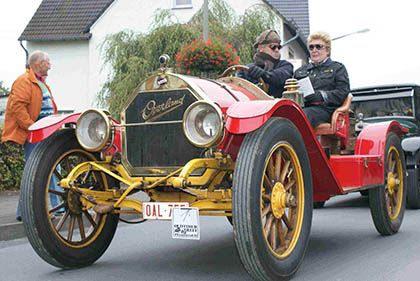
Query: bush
12	160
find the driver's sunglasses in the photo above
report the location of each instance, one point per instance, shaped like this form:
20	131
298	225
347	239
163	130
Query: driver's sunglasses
317	46
274	47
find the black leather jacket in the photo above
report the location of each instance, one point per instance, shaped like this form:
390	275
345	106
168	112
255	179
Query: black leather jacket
275	79
329	78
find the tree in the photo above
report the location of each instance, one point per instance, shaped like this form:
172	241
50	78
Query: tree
3	89
134	56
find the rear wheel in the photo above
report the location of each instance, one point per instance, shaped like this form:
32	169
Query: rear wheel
78	237
272	201
387	203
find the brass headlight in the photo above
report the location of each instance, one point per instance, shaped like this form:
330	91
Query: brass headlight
203	124
93	130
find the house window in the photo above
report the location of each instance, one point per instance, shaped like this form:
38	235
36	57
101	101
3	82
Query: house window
182	4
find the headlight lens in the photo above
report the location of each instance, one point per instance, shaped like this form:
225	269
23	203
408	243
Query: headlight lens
93	130
203	124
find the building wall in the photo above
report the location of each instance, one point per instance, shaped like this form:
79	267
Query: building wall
69	74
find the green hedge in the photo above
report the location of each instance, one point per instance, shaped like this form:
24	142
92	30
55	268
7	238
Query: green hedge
12	159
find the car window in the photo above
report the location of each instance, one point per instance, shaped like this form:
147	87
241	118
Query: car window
402	107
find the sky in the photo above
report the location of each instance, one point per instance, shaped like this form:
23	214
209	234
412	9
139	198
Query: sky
387	54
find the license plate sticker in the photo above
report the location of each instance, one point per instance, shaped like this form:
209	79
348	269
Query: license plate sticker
185	223
160	210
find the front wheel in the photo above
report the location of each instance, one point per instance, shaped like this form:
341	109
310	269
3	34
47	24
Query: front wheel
387	203
272	200
77	237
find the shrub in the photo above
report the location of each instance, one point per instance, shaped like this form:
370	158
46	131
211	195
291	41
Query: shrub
212	57
12	160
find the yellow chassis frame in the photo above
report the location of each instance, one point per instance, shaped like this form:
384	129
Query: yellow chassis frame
210	201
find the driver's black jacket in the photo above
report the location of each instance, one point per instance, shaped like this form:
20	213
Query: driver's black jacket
275	77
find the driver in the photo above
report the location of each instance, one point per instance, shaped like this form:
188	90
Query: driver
268	65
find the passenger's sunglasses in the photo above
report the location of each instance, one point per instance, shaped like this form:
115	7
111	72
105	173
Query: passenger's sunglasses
274	47
317	46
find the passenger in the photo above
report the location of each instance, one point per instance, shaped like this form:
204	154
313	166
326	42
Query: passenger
329	79
268	65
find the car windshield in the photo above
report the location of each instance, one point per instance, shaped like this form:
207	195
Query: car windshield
401	106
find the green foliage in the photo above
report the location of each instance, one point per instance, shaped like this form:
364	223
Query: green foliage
3	89
133	57
12	160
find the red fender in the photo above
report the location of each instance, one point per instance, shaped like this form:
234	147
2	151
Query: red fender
45	127
245	117
371	140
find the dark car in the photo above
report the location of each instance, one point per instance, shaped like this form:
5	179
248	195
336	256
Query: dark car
400	102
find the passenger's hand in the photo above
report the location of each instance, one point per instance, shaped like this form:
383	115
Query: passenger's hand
314	98
255	72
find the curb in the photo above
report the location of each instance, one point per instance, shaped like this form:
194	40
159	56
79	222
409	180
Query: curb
12	231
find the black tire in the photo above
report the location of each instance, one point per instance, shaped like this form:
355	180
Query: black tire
387	203
319	204
364	192
229	218
79	238
260	226
413	188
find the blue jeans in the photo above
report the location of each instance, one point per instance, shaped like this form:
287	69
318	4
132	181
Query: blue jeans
54	199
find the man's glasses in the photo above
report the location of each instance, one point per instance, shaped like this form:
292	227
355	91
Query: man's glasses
274	47
317	46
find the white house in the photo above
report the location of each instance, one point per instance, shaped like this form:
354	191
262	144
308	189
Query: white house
71	32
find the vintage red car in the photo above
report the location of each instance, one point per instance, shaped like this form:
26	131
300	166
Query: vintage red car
222	147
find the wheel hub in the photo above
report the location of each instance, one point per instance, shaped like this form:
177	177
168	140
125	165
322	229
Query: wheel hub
73	202
392	183
280	200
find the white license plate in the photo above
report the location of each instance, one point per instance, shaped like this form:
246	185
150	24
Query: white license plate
160	210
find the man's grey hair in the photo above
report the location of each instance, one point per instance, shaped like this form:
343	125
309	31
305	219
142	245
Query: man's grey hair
37	56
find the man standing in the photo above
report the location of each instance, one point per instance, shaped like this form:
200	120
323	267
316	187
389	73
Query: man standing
268	64
30	99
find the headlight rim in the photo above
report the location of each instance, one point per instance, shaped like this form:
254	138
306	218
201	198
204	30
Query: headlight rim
105	144
218	139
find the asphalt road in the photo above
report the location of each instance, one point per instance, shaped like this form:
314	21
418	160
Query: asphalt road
344	245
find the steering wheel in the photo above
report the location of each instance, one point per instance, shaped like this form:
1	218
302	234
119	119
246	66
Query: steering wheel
237	67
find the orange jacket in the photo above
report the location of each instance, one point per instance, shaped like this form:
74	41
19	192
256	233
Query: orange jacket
23	107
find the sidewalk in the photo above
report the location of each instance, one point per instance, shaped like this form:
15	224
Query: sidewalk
11	229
